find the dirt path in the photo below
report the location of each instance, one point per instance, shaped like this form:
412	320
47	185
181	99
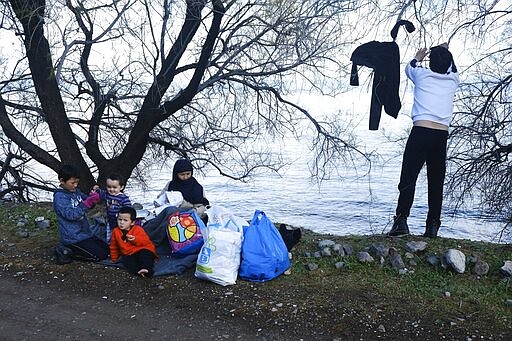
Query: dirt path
32	311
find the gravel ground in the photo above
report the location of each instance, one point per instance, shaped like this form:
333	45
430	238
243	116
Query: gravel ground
45	301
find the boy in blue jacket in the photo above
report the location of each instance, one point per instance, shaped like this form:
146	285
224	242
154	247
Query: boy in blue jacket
70	206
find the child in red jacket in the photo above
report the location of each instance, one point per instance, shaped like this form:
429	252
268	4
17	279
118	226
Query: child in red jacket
132	243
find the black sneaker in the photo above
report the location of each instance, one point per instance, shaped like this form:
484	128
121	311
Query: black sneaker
399	227
432	227
62	254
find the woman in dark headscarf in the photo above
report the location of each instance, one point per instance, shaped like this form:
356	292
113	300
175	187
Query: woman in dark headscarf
183	181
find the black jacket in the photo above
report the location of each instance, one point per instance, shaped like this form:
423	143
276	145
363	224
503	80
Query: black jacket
384	59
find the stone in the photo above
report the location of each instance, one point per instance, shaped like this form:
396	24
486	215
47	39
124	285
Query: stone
433	260
349	251
381	328
416	246
409	255
307	254
395	259
312	266
43	224
364	257
379	250
341	252
340	265
317	254
480	268
325	243
506	269
456	260
22	233
326	252
337	247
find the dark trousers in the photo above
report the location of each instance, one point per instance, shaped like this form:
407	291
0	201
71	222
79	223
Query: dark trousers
91	249
424	145
144	259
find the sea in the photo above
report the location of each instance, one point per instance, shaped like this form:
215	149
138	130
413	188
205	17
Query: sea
359	201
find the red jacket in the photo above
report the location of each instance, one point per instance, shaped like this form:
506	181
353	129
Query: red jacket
120	247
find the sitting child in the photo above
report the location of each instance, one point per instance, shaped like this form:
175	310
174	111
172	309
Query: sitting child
70	206
115	199
183	181
132	242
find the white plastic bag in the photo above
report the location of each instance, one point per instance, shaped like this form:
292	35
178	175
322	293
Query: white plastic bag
166	199
219	258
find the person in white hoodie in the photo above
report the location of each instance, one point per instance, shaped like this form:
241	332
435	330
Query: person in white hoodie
434	90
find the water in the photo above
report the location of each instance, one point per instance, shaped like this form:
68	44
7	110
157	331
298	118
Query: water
357	205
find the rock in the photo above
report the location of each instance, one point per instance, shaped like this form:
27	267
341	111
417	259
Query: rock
433	260
508	302
364	257
340	265
43	224
349	251
341	252
402	272
307	254
379	250
381	328
325	243
416	246
447	294
472	259
325	252
22	233
480	268
506	269
337	247
395	259
312	266
409	255
317	254
456	260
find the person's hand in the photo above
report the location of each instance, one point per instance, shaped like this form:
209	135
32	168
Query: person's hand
445	45
130	237
421	54
95	188
92	200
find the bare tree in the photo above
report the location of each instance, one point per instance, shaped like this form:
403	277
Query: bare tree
196	78
125	83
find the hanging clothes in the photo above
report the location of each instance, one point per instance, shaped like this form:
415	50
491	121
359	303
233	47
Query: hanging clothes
384	59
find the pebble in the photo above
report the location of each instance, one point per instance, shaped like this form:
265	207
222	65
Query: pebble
312	266
381	328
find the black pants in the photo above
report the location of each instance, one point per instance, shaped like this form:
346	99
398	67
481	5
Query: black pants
424	145
91	249
144	259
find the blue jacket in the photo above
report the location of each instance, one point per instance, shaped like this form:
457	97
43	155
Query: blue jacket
73	224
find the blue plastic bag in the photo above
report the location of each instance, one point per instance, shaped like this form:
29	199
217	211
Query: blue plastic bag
264	254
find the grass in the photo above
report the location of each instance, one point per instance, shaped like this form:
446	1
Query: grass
424	289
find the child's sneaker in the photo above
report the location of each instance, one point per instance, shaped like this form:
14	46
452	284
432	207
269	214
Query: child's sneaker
62	254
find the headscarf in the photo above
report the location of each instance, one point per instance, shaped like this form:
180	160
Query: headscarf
191	190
